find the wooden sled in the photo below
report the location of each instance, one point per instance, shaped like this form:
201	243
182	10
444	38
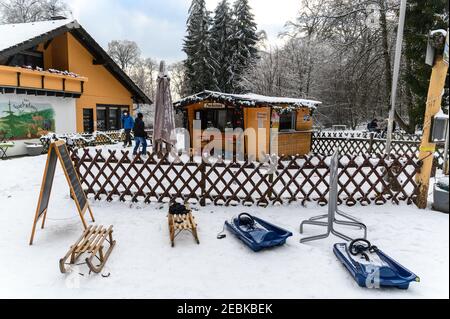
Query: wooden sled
181	223
92	243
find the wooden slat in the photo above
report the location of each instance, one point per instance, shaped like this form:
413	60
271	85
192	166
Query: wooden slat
100	234
86	241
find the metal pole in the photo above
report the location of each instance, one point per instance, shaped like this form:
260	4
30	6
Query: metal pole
333	210
398	56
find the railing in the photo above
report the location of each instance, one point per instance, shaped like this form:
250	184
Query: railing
400	136
109	175
360	143
83	140
22	78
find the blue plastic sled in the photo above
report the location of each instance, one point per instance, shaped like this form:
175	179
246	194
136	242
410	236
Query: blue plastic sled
257	233
372	268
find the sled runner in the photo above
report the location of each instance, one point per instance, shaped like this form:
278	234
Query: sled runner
91	242
371	267
180	220
257	233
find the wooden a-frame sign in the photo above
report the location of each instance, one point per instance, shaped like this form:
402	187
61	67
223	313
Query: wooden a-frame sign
58	150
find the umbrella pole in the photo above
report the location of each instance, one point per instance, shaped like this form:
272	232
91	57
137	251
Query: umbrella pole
158	147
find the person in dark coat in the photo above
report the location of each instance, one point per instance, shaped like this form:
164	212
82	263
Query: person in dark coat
373	126
127	125
140	136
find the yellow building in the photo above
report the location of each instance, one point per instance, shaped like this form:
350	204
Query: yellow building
292	117
55	77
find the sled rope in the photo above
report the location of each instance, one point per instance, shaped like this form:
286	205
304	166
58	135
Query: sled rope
222	234
361	247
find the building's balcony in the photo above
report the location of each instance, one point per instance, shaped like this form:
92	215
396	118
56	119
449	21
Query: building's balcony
26	81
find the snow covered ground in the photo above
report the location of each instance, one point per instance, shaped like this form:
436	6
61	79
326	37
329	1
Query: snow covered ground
143	265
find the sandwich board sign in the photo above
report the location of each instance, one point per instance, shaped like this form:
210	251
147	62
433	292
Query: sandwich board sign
58	151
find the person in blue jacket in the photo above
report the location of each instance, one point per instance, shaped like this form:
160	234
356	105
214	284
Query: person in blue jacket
127	125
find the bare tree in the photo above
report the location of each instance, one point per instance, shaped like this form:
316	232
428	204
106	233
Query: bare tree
22	11
144	73
337	51
266	76
124	52
55	8
178	80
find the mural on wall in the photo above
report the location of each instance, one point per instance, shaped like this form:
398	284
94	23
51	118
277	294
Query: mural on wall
23	119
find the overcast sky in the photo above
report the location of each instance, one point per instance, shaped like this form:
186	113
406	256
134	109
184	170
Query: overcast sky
158	26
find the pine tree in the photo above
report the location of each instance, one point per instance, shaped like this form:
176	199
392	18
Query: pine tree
422	17
245	39
199	63
221	46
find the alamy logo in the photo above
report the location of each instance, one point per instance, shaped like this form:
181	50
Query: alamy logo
73	279
373	279
211	145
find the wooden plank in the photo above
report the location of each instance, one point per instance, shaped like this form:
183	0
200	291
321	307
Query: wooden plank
80	247
101	234
72	249
427	149
97	248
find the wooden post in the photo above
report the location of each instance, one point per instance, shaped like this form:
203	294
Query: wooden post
372	135
428	149
203	184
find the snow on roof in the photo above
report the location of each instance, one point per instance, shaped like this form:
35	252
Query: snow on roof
278	100
441	115
22	36
14	34
249	99
439	31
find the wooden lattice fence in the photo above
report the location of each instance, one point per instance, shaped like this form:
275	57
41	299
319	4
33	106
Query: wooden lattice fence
110	175
366	135
360	143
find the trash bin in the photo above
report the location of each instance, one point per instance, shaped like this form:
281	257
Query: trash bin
441	195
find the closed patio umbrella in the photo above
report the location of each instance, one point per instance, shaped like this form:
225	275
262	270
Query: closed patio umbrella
164	113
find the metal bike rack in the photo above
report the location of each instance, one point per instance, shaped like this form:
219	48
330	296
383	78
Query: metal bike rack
333	211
